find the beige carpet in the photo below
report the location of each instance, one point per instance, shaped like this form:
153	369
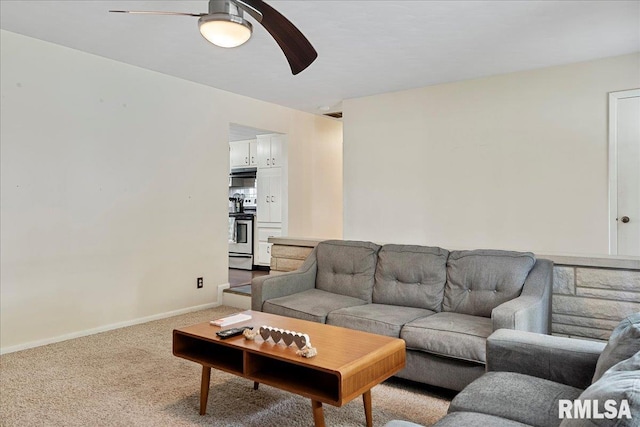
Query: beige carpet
129	377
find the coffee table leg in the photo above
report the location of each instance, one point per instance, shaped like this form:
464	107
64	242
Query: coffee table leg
204	389
255	385
318	416
366	398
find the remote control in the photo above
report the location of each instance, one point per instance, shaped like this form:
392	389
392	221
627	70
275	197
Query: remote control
228	333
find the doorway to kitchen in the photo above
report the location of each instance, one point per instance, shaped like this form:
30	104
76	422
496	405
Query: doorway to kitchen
257	199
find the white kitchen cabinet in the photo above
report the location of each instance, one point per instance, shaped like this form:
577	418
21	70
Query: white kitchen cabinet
238	154
264	247
270	151
253	153
269	191
264	253
271	199
243	154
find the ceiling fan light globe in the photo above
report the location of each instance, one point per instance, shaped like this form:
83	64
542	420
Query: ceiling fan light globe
225	30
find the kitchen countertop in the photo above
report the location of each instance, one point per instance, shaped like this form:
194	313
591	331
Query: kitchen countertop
240	215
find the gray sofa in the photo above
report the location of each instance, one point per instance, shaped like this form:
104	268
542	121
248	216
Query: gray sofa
528	374
443	304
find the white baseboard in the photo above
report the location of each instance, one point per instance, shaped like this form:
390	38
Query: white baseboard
112	326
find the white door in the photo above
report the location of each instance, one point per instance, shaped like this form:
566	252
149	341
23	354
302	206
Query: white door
624	154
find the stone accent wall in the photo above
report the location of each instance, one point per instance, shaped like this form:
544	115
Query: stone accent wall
288	258
588	300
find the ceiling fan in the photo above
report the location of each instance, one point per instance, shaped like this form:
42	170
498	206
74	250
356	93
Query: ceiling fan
225	26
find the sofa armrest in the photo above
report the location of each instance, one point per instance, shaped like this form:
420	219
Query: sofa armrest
531	311
565	360
275	286
520	313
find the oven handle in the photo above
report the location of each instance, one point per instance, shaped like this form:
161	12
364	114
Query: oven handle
240	255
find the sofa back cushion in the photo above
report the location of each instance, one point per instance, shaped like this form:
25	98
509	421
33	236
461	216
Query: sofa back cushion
411	276
347	267
478	281
619	383
623	342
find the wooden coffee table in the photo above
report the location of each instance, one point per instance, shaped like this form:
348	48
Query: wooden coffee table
349	362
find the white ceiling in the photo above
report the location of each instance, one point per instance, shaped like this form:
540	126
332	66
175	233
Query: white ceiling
365	47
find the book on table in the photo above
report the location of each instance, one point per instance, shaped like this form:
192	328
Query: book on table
230	320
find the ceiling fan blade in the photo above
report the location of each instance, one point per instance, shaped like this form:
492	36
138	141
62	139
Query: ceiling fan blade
156	12
295	46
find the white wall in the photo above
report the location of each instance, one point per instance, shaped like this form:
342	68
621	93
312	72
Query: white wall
114	189
315	181
516	161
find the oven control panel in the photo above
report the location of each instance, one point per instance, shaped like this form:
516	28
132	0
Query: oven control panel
250	202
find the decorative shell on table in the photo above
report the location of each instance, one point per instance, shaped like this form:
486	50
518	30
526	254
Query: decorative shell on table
307	352
249	334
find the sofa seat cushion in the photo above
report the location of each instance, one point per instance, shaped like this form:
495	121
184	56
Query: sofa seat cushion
378	319
479	281
312	304
411	276
347	267
522	398
460	336
623	343
475	419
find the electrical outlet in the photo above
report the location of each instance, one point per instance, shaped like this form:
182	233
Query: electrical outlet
199	282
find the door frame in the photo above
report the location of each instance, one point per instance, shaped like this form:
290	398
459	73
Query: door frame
614	97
